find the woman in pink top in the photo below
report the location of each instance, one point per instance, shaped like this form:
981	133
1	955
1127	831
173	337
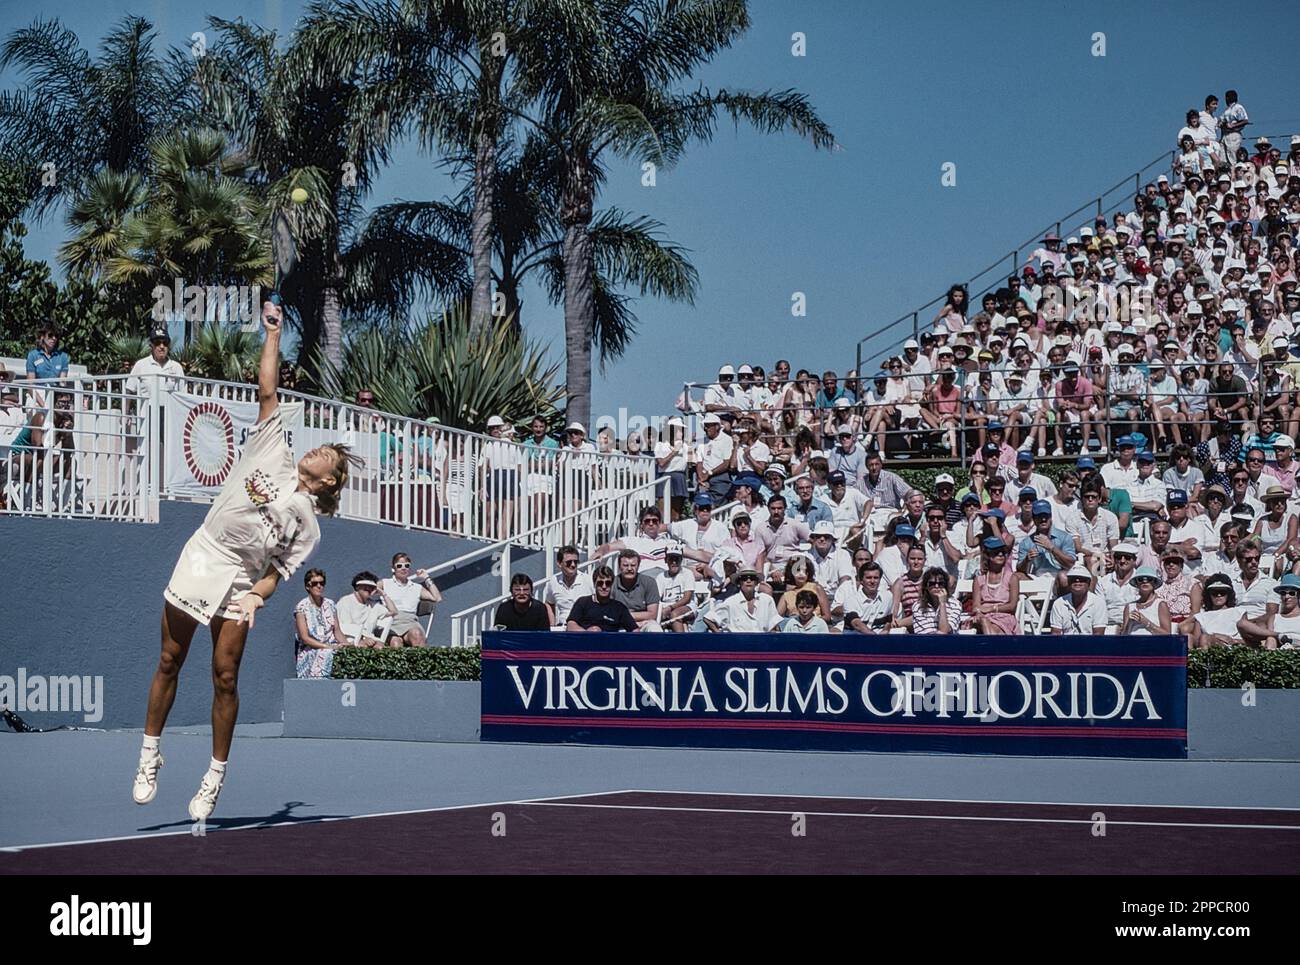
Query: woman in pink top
996	592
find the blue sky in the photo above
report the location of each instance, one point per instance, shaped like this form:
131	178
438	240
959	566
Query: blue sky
1009	93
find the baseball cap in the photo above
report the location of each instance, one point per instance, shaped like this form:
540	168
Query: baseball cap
969	498
905	530
1124	442
824	528
745	369
726	370
494	421
990	449
911	343
1176	497
1147	573
994	513
777	468
1042	507
577	427
1146	455
995	426
1029	492
711	419
1284	442
993	543
1023	456
836	478
737	517
944	477
160	335
1085	462
674	549
1125	549
702	499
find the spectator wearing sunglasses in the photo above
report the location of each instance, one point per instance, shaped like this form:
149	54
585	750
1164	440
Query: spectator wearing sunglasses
318	634
600	611
565	587
1279	627
407	591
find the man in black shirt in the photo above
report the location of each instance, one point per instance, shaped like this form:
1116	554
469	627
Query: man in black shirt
601	611
521	611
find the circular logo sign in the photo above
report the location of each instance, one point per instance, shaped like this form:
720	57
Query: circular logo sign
208	442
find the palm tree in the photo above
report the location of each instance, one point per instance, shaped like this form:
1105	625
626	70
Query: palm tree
605	85
444	66
302	125
528	241
78	116
194	219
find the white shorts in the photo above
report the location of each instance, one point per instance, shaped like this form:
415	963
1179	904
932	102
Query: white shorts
208	579
537	483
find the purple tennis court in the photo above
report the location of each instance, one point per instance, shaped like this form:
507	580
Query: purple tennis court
672	832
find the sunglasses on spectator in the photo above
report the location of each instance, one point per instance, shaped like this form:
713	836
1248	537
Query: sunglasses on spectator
1173	562
568	562
1287	592
604	582
401	566
315	582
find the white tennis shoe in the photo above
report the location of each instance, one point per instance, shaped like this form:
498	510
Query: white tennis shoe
146	778
203	803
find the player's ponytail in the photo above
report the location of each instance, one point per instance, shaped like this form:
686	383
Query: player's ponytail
327	500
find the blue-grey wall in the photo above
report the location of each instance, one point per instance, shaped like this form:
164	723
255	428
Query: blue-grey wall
85	598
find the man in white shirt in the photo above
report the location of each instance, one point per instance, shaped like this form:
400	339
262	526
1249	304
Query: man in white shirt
565	587
864	606
750	454
1080	611
703	533
832	567
1232	123
848	507
676	591
745	612
157	371
651	544
1098	528
1118	588
725	395
713	459
364	614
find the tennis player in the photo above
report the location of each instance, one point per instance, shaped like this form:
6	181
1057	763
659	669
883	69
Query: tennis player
260	529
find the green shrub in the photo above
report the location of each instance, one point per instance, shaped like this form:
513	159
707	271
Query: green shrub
1233	666
409	663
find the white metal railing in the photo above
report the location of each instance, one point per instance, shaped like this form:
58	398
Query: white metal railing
586	529
417	475
76	449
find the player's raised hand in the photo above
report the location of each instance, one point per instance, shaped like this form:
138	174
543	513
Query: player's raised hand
272	317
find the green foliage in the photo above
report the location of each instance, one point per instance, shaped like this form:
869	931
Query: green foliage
225	352
409	663
1233	666
30	296
450	369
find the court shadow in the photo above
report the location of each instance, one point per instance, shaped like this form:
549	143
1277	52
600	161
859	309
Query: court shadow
285	815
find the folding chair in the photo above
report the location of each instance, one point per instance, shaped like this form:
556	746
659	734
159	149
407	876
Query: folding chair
1035	598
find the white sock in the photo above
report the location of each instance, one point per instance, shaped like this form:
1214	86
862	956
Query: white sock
217	767
151	746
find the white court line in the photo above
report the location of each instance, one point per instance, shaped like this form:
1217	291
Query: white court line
14	849
917	817
943	800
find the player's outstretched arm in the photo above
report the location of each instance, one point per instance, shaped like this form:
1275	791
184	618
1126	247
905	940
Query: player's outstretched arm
268	371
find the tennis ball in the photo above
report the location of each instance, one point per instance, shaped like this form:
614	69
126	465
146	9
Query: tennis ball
299	195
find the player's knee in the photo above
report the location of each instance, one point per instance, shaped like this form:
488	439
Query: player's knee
225	680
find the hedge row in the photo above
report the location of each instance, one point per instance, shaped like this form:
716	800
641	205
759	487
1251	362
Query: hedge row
1221	667
922	477
409	663
1234	666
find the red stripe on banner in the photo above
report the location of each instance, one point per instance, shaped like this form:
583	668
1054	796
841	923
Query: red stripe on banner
855	658
1009	730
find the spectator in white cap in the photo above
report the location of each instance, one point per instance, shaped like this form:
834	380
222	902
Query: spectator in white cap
676	591
1080	610
1117	587
578	461
1284	466
724	395
916	367
671	460
832	566
499	479
713	459
1162	400
847	456
702	532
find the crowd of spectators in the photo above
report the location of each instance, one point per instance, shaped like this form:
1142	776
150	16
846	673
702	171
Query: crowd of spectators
1158	350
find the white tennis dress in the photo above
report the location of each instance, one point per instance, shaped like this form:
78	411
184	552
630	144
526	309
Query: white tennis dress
259	519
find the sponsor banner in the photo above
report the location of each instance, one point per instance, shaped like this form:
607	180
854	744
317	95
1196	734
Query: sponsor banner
1077	695
205	437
